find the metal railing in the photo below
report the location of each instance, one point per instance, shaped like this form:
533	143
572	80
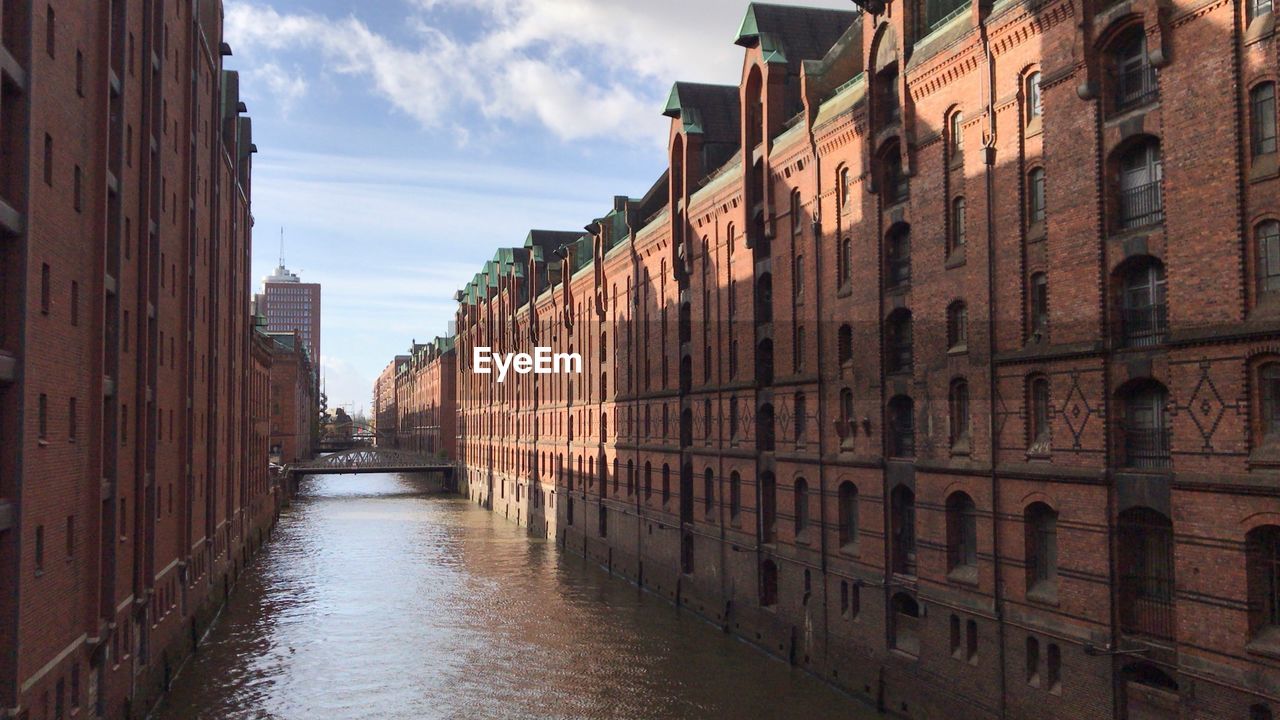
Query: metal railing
1147	448
897	272
1134	86
1140	206
1146	605
1145	326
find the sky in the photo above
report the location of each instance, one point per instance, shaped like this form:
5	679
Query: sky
401	142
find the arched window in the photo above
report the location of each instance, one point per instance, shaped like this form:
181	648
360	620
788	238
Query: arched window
902	509
1145	543
846	405
955	132
735	495
796	224
802	415
1262	114
901	427
764	428
958	404
845	188
1033	661
797	276
800	497
1260	712
848	515
1144	317
962	532
906	624
897	188
1035	196
1040	541
648	480
1131	76
1262	546
1145	426
897	256
957	223
898	342
768	507
844	344
764	298
1035	103
708	491
1139	199
1267	238
957	325
631	477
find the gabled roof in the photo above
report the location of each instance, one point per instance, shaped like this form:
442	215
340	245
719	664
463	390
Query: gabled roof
789	34
711	111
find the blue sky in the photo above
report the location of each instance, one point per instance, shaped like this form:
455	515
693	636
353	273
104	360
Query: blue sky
402	141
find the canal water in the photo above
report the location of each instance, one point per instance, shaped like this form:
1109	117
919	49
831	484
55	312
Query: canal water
379	599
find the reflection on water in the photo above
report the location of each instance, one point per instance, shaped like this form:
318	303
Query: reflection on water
377	600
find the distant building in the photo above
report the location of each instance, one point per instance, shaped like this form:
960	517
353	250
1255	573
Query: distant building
384	401
295	415
290	305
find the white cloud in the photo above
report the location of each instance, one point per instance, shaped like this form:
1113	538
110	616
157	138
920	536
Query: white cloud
580	68
286	88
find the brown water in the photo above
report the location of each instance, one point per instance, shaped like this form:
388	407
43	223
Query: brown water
378	600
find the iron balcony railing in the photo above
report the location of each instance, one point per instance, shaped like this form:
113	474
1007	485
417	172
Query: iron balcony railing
1145	326
898	272
1147	448
1141	206
1134	86
1146	605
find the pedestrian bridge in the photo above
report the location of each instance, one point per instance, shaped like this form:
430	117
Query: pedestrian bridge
371	460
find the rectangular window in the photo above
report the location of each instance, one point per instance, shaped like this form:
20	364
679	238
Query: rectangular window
50	35
1263	104
75	303
43	419
71	419
44	288
80	73
39	548
71	536
48	160
78	189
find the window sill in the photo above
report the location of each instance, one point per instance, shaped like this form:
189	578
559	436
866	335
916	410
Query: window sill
1043	595
845	290
959	350
1035	126
1260	28
1266	643
850	550
1036	232
1264	167
1115	117
956	258
964	575
42	443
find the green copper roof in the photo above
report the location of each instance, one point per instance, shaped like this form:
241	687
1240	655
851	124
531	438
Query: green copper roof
751	33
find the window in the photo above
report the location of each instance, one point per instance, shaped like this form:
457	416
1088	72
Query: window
1035	196
1267	237
764	428
48	160
1033	661
956	133
802	416
43	419
1145	426
901	427
648	480
848	509
844	344
768	584
39	548
71	420
955	636
1039	310
1263	568
1053	674
1035	104
768	507
1145	543
971	641
1262	104
1144	315
934	13
735	495
962	533
795	213
845	189
71	536
797	276
957	325
899	342
897	186
708	491
78	189
1132	77
45	290
1269	396
1258	8
75	303
1038	421
902	509
905	624
897	253
958	405
801	499
666	483
957	223
846	405
50	33
1140	201
846	261
1040	526
80	73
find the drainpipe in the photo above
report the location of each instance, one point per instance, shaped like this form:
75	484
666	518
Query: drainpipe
988	161
818	335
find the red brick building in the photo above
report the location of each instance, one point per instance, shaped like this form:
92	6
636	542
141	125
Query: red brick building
924	365
385	416
425	399
295	411
132	478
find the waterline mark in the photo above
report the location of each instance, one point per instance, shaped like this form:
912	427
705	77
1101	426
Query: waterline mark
542	362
